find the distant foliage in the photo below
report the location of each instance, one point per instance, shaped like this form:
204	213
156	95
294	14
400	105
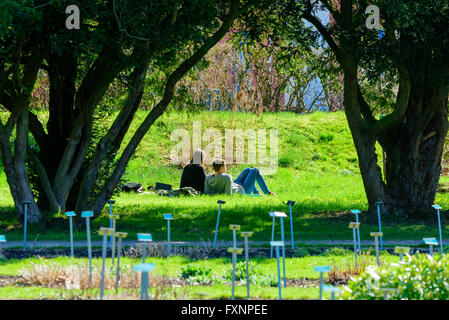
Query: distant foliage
417	277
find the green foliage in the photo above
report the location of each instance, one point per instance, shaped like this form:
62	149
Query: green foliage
417	277
256	276
196	273
301	252
336	251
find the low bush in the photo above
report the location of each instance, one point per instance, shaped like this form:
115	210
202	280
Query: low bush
417	277
336	251
195	274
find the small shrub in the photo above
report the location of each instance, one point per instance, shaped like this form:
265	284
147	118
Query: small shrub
240	271
255	274
301	253
268	281
418	277
336	251
194	274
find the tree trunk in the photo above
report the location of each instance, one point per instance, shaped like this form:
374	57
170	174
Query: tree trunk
413	163
15	170
413	151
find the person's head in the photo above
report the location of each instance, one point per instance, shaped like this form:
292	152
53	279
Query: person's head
219	166
198	157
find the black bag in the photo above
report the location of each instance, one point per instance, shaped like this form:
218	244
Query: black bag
163	186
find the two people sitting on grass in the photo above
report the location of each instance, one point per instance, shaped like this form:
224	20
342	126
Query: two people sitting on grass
194	175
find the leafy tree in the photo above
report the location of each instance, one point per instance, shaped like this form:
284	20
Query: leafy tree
413	56
117	38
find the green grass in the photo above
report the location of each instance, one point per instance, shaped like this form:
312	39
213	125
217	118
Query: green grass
314	150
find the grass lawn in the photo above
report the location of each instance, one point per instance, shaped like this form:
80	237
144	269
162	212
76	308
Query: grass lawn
317	168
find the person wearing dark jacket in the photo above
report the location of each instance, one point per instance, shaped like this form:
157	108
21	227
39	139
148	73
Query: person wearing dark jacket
193	174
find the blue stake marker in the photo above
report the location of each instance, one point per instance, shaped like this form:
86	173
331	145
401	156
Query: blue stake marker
321	270
120	236
291	203
114	223
105	232
144	237
2	239
356	212
71	214
168	217
278	244
332	290
438	208
235	251
87	215
246	235
220	202
283	250
401	251
379	204
280	215
25	223
144	268
111	202
354	226
430	242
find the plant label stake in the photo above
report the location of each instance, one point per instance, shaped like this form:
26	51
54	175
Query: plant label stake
321	270
144	237
235	252
246	235
144	268
401	251
111	202
376	235
281	216
2	239
105	232
332	290
120	236
379	204
438	208
234	228
88	215
354	226
168	217
430	242
25	223
387	292
220	202
291	203
278	244
356	212
71	214
114	225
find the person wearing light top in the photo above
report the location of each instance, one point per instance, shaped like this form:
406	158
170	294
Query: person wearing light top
221	183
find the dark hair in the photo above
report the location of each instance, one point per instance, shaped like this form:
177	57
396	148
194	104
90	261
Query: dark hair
198	157
217	164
